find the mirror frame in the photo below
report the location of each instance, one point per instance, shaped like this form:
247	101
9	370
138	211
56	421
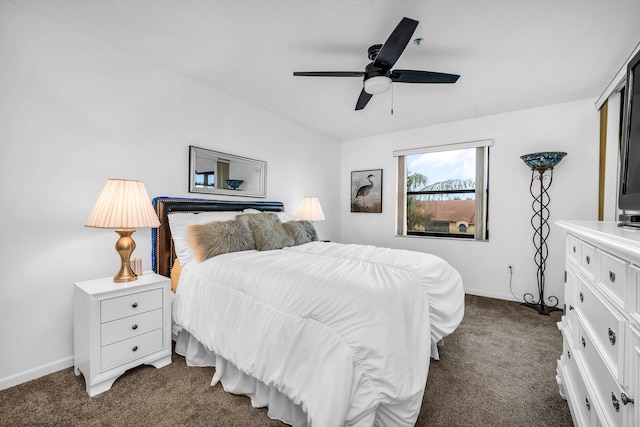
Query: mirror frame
258	186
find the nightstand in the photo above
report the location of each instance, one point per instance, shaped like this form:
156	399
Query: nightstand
118	326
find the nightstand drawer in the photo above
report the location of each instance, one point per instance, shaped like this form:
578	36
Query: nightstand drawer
130	349
131	326
129	305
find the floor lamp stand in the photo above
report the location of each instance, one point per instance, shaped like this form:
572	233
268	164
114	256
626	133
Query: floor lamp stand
541	177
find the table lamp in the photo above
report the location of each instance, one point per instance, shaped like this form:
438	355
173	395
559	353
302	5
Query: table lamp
124	205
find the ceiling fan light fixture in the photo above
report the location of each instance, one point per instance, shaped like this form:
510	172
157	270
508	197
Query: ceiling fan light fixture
377	84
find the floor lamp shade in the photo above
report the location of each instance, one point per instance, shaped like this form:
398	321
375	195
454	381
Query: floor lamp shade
123	205
310	210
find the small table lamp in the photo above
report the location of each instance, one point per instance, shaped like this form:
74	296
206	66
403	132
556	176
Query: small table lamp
125	205
310	210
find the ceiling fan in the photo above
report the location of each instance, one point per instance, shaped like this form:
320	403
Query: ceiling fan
378	76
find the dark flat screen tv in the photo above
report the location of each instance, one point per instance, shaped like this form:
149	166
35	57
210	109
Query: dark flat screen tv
629	185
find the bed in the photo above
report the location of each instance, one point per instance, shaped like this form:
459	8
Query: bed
321	333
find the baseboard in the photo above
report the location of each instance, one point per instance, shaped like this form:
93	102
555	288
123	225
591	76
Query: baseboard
496	295
38	372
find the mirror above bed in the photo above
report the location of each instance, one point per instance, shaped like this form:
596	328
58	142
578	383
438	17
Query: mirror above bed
213	172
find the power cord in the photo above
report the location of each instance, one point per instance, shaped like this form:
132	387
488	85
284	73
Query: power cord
511	283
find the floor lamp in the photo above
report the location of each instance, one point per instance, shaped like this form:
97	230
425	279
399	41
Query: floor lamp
541	165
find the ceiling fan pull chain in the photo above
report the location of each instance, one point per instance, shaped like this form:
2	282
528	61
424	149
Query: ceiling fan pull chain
392	99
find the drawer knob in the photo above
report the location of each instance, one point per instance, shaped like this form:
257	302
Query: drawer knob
588	258
134	348
134	305
570	307
574	249
615	402
612	276
587	403
581	297
612	337
134	327
568	354
584	343
625	399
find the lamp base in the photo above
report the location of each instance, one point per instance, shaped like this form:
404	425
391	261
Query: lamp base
125	247
541	308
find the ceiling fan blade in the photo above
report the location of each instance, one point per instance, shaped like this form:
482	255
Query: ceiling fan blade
329	73
395	44
413	76
363	99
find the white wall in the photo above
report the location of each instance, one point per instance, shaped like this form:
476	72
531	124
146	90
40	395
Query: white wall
75	112
571	127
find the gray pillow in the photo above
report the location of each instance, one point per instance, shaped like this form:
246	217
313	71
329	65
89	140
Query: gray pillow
301	231
267	230
219	237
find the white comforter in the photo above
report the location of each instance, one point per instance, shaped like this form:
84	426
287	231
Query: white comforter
345	331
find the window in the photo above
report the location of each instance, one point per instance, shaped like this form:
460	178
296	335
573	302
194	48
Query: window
443	190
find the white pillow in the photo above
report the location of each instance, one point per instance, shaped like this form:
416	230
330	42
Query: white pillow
282	216
178	223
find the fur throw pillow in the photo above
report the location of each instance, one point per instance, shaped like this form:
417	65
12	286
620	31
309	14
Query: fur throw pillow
301	231
267	230
219	237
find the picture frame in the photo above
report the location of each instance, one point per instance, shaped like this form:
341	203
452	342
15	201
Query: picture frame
366	191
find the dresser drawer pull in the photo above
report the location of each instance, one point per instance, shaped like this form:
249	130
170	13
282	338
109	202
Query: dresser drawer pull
625	399
134	305
568	354
588	258
134	327
615	402
612	276
581	297
584	343
570	307
612	337
574	249
587	403
134	348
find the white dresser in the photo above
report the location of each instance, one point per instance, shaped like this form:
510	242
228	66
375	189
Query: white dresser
118	326
599	370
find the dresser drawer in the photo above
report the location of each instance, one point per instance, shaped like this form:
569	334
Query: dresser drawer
605	385
129	305
573	246
121	329
606	324
130	349
612	277
571	299
588	259
633	293
580	397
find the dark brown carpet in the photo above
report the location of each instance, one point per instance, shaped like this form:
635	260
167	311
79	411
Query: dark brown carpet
497	369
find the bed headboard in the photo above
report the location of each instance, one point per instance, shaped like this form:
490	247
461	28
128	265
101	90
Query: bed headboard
163	252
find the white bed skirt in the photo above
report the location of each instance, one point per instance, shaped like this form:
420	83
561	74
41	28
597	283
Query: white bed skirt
280	407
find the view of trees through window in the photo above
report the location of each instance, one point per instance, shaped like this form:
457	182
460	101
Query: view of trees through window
441	189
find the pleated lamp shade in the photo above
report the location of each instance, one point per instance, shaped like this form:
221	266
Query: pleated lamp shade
123	204
310	210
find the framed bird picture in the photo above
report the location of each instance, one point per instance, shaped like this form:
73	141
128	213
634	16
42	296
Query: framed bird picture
366	191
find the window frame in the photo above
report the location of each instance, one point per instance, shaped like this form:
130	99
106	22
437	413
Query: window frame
481	191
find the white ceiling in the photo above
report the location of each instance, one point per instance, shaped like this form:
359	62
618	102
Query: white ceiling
511	54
